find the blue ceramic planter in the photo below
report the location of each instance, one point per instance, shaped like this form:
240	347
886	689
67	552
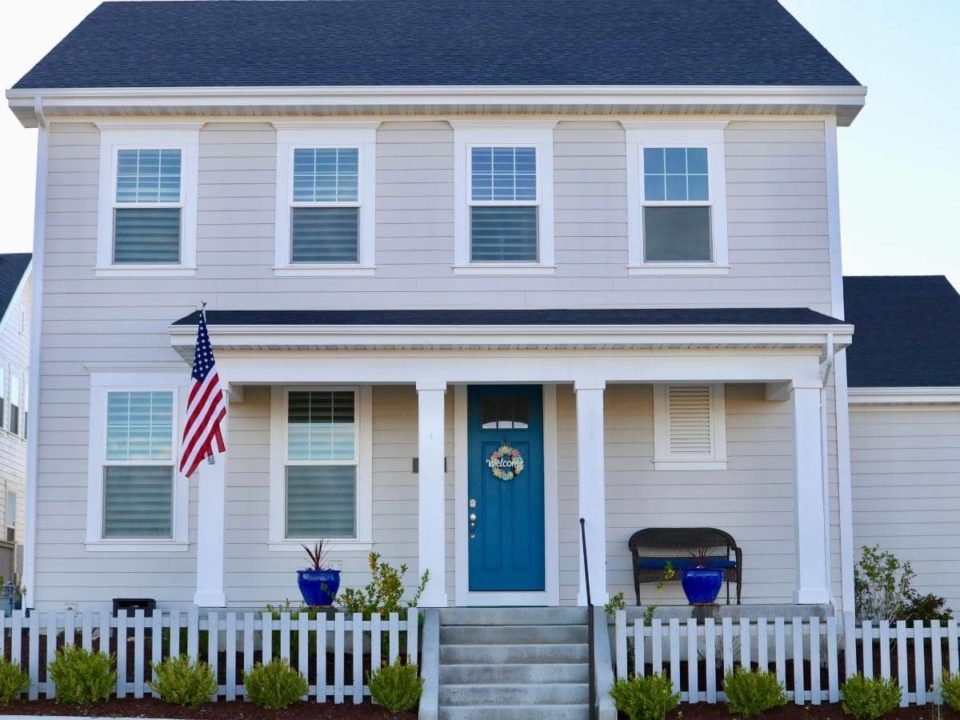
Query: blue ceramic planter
701	585
318	587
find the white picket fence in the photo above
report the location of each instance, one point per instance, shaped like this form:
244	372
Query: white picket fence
229	641
808	655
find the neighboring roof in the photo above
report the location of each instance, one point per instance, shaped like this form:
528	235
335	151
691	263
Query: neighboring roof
656	316
907	331
245	43
12	268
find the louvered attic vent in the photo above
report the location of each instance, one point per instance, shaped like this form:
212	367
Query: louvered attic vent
689	428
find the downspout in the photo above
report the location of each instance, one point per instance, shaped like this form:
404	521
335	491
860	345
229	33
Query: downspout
36	324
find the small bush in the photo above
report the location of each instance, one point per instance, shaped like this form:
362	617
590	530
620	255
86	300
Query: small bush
950	688
82	677
869	698
177	680
396	687
648	697
13	681
275	685
384	593
750	693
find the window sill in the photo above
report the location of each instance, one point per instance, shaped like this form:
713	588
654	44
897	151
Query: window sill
333	546
678	269
720	464
137	546
504	269
144	271
324	271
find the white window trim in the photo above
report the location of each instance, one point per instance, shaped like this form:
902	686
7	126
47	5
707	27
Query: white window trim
363	542
709	134
361	135
5	397
184	136
100	385
663	459
537	134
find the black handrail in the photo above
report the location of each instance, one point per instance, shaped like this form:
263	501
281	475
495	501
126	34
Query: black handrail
590	623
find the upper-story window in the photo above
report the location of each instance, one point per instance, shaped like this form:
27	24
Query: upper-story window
677	199
503	176
325	199
3	397
15	404
148	197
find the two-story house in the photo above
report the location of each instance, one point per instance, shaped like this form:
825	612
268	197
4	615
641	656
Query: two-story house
604	237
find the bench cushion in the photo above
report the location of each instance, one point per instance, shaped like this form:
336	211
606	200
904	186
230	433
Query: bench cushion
685	563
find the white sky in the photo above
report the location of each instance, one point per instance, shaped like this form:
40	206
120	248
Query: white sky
899	162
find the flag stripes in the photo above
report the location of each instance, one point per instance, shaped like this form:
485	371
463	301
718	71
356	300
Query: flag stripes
206	406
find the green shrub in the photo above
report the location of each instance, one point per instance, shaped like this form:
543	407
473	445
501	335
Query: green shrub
883	590
275	685
82	677
869	698
750	693
177	680
396	687
950	688
13	681
648	697
384	593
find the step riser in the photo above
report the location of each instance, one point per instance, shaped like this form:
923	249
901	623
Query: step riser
472	695
513	616
485	674
512	635
527	712
499	654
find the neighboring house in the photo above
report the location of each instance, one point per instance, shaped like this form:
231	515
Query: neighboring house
16	296
606	236
904	375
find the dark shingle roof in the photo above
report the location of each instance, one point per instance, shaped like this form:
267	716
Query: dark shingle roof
907	331
655	316
12	267
437	42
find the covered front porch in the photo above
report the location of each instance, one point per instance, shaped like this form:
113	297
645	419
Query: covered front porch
600	416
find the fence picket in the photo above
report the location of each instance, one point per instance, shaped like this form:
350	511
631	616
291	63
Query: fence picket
620	623
884	645
763	659
849	645
919	666
231	651
338	628
656	645
303	654
106	632
321	658
727	626
780	651
16	639
285	636
394	637
138	653
249	631
952	650
693	675
213	642
69	630
33	652
51	648
376	628
815	660
866	644
266	637
936	656
86	632
156	644
798	689
675	653
413	634
902	670
639	648
833	670
193	634
121	620
744	643
358	657
710	659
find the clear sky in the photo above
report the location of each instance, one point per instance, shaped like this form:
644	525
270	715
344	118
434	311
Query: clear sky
899	162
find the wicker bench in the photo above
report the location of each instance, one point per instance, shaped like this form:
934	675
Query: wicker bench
653	548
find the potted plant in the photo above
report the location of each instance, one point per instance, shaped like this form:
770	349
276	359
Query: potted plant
318	584
701	584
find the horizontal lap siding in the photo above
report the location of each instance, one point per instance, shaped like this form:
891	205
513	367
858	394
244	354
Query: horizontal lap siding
753	499
906	490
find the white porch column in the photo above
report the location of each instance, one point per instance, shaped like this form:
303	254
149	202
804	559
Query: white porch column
211	496
812	532
430	404
591	488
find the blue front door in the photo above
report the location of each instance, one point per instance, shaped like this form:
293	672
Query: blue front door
506	531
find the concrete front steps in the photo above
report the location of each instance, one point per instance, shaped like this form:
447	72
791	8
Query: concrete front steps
513	664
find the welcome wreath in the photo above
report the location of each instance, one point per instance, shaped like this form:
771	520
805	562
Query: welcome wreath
505	462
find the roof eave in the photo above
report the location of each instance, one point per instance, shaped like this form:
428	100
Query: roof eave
843	101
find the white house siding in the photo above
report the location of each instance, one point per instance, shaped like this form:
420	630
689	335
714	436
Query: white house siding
906	489
778	244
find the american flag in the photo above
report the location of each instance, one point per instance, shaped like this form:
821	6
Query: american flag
206	407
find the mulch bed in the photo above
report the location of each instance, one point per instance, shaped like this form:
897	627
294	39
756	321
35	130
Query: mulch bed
809	712
150	708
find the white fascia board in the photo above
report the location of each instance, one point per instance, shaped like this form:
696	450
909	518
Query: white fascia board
530	336
844	101
904	395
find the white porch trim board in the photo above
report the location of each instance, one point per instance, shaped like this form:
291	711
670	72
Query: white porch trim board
431	505
812	532
591	484
211	525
